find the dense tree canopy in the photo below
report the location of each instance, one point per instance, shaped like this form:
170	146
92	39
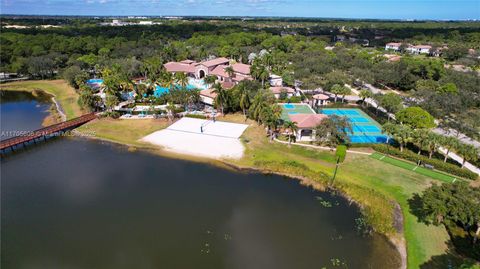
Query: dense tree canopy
415	117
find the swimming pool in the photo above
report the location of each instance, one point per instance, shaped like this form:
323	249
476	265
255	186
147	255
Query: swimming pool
192	84
95	83
365	129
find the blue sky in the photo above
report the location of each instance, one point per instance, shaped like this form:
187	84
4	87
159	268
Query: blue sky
380	9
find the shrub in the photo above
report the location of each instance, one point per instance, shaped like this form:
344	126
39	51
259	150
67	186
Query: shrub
111	114
295	99
437	164
195	116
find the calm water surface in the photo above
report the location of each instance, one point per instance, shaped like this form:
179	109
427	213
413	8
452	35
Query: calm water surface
73	203
21	111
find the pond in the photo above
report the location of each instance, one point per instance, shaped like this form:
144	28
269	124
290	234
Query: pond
77	203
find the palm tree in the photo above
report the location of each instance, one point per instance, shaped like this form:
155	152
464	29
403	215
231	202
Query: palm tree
336	89
420	139
141	89
364	94
260	72
292	129
433	142
271	114
276	110
345	90
210	79
167	80
229	70
244	98
449	142
401	133
468	152
258	105
270	121
181	79
267	61
222	96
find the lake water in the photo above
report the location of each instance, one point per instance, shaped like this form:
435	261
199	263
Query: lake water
76	203
21	111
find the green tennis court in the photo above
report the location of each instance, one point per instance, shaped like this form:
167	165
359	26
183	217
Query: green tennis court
289	109
413	167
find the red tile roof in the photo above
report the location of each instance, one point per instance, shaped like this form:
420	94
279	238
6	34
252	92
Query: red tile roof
180	67
423	46
278	90
394	44
227	85
214	62
208	93
320	96
241	68
220	71
307	121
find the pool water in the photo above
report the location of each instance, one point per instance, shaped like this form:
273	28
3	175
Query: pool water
95	81
365	129
161	90
192	85
289	106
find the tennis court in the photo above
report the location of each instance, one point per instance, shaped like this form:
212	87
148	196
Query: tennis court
289	109
365	129
413	167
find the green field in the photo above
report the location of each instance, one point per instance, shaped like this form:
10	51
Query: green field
413	167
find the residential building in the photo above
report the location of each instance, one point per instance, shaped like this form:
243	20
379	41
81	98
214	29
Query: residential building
306	124
395	46
275	80
217	67
208	96
278	90
419	49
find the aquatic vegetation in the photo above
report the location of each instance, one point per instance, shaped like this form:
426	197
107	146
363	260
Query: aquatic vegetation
323	202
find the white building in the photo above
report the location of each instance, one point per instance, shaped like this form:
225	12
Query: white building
419	49
395	46
275	80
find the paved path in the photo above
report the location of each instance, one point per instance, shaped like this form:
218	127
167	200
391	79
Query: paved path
465	139
459	159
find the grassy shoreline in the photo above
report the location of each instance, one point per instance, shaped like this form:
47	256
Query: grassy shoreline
376	186
65	95
379	188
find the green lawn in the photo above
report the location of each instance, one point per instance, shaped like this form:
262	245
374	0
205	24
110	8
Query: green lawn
412	167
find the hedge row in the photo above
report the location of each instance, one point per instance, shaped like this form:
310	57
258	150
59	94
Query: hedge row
195	116
437	164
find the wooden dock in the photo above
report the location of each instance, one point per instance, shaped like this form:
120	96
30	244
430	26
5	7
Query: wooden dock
58	128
